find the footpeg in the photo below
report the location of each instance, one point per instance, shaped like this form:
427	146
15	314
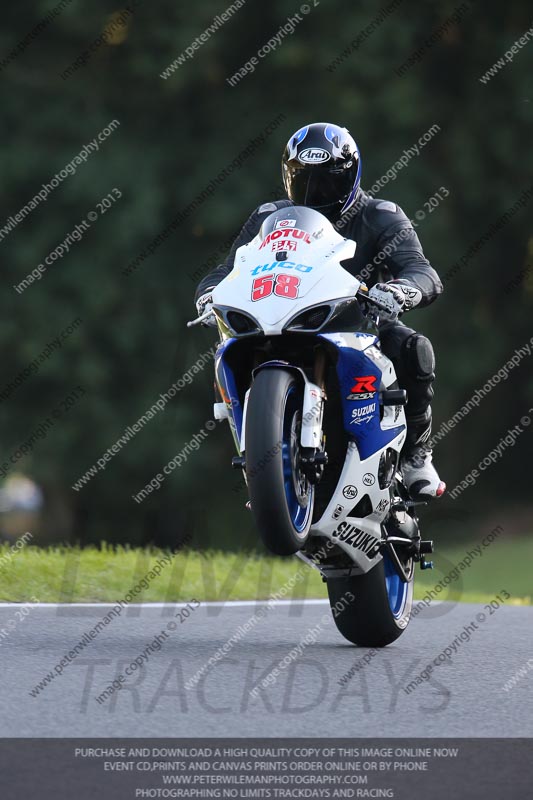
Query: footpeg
405	504
393	397
426	546
425	564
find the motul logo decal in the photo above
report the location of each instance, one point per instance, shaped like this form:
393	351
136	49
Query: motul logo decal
292	233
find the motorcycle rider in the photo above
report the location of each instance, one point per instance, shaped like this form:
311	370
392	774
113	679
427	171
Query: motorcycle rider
321	168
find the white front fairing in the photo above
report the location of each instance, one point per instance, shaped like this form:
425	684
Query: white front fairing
313	263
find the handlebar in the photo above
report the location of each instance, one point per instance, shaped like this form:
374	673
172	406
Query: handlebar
200	319
361	293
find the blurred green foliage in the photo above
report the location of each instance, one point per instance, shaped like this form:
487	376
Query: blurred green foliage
174	136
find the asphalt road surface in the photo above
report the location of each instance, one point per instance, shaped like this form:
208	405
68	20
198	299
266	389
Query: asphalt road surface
463	696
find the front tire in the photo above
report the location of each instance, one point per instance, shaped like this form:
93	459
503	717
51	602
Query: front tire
281	497
380	610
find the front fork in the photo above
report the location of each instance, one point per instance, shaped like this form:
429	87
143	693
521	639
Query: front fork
312	457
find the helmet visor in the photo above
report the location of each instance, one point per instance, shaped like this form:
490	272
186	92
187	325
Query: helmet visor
318	187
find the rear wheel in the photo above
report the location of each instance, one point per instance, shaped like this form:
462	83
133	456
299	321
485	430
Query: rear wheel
379	611
280	494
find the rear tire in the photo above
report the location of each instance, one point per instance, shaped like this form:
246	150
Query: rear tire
281	497
381	607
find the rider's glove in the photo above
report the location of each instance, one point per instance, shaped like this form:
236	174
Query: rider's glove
412	295
391	300
203	304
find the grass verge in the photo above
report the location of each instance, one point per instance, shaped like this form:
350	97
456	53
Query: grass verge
107	574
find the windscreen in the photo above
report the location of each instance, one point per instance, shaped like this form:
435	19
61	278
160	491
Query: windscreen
284	228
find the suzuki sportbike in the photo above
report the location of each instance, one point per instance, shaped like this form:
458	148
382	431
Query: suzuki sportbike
318	420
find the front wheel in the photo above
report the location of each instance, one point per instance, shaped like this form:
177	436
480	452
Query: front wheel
372	610
281	496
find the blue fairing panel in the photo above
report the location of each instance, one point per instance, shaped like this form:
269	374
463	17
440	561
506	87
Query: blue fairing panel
359	381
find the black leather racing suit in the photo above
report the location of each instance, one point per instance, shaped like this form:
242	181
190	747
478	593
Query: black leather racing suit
387	247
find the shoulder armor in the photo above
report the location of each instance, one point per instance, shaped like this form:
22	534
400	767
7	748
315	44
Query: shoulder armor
386	205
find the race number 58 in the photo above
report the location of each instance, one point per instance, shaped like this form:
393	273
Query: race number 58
282	285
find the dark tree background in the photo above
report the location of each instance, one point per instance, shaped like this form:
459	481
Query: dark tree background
175	136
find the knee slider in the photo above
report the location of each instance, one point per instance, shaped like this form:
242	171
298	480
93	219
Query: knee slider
419	357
